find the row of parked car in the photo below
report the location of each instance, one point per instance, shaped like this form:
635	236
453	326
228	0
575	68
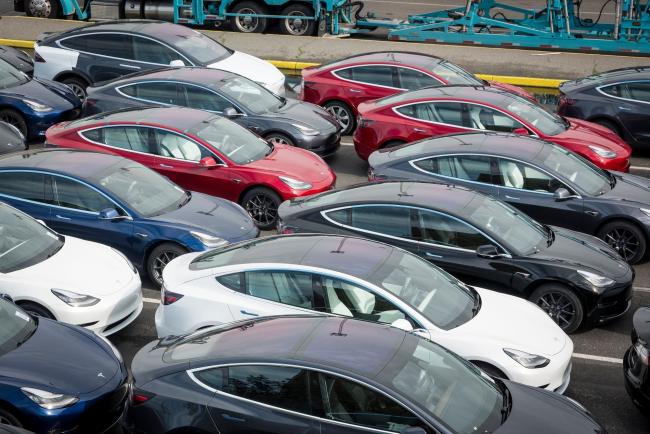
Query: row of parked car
299	332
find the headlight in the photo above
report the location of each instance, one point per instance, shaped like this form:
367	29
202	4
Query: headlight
116	352
308	131
294	183
602	151
49	400
596	279
37	106
123	256
208	240
527	360
74	299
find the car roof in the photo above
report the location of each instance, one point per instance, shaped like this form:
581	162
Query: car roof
197	75
396	57
486	94
608	77
156	29
181	118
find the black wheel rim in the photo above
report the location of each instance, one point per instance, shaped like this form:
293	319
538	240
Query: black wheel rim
247	24
559	307
160	262
77	90
6	421
624	241
341	114
296	25
12	119
262	209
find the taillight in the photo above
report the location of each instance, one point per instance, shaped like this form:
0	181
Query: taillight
168	297
140	397
38	58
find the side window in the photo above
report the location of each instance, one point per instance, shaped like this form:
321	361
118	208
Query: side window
287	287
162	92
348	299
110	44
147	50
394	220
614	90
172	145
350	402
75	195
377	75
79	43
451	113
411	79
129	138
468	167
202	99
24	185
340	216
485	118
232	281
407	110
344	73
441	229
518	175
639	91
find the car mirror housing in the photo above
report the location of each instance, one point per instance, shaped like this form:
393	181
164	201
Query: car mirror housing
521	131
230	112
178	63
561	194
109	214
487	251
208	163
402	324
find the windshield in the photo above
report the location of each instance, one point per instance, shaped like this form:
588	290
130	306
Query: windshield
232	140
16	328
24	241
142	189
446	386
454	74
439	297
251	95
581	173
203	49
10	76
546	122
504	222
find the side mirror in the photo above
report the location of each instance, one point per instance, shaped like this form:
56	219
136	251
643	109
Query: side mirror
230	113
521	131
561	194
402	324
109	214
487	251
177	63
208	163
6	297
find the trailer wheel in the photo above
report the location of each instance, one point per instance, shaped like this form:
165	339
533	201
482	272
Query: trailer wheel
297	25
249	24
42	8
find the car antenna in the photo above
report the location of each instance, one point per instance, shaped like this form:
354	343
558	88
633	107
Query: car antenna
338	249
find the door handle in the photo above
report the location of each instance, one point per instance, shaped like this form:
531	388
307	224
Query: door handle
625	108
129	66
432	255
248	313
355	90
230	418
62	217
166	166
512	197
419	130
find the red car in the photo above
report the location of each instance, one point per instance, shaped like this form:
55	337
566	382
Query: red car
342	85
203	152
432	112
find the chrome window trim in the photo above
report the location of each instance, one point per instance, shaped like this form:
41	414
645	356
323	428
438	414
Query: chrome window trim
334	73
460	249
190	373
601	91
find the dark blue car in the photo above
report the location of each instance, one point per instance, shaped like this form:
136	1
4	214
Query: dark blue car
33	105
56	377
116	201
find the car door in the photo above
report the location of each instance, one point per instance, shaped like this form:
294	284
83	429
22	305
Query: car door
634	110
363	83
132	142
262	399
26	190
434	118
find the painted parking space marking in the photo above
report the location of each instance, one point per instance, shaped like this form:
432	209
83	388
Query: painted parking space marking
151	300
642	289
598	358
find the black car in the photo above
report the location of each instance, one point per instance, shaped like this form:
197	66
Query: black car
636	363
276	118
17	58
11	139
331	375
618	100
483	241
549	183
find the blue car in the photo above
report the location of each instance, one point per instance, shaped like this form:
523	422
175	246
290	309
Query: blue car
33	105
56	377
121	203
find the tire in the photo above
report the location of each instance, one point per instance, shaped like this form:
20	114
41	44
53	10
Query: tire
626	238
16	119
561	304
278	138
249	24
343	114
77	85
42	8
392	144
6	418
262	205
492	371
159	258
35	309
297	26
609	125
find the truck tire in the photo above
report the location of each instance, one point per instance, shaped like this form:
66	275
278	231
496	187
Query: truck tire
42	8
297	26
249	24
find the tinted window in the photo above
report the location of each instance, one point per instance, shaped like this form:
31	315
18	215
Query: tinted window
454	74
451	113
10	76
468	167
203	49
25	185
345	73
378	75
75	195
514	174
614	90
105	44
147	50
579	171
232	140
441	229
202	99
249	94
395	221
129	138
485	118
411	79
174	146
639	91
288	287
76	43
533	113
162	92
232	281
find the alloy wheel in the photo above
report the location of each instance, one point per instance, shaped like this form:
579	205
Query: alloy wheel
247	24
297	25
624	242
262	209
341	115
40	8
11	119
79	91
278	140
559	307
160	262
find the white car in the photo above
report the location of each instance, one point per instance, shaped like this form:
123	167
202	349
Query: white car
106	50
300	274
65	278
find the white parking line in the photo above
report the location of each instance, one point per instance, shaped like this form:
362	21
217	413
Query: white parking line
151	300
639	168
347	144
642	289
598	358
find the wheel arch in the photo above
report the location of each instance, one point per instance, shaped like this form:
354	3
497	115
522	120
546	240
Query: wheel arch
608	118
9	407
334	98
554	280
72	74
625	219
490	365
22	301
156	243
251	187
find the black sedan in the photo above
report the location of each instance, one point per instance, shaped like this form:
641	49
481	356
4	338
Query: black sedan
618	100
636	363
18	59
307	375
574	277
276	118
11	139
549	183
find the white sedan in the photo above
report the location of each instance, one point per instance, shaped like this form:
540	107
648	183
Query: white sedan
65	278
305	274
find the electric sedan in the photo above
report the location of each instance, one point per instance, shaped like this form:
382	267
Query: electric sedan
57	378
65	278
279	120
636	363
353	277
118	202
342	85
618	100
11	139
431	112
576	278
331	375
551	184
203	152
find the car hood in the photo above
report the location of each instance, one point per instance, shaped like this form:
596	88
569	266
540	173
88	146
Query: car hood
52	94
582	251
629	188
83	267
215	216
583	133
295	163
60	358
543	412
309	114
250	67
641	323
525	327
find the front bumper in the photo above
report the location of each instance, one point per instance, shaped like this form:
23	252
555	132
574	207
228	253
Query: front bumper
637	379
322	144
37	124
612	304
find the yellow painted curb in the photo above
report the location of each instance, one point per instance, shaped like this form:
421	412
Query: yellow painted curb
18	43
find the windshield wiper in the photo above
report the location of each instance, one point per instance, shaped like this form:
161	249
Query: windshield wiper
477	304
507	401
188	196
550	235
55	251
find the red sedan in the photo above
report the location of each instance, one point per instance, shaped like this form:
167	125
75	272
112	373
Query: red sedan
203	152
432	112
342	85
